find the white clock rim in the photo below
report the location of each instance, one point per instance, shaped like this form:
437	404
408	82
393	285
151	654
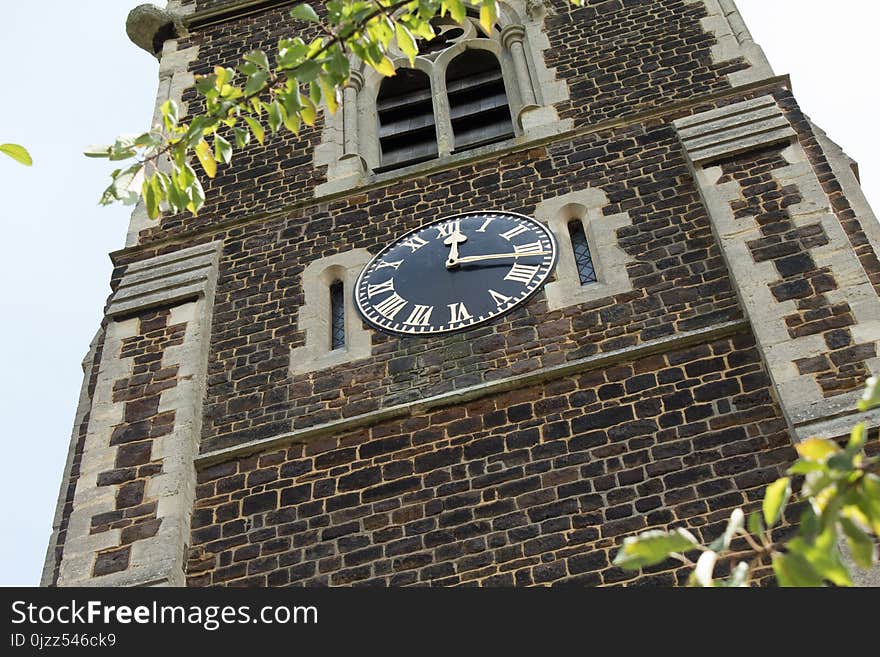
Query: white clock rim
416	331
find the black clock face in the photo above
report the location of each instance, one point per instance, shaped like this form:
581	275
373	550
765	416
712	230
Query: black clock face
455	273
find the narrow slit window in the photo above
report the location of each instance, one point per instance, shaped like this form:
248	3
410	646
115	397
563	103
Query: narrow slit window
337	316
478	104
581	248
407	130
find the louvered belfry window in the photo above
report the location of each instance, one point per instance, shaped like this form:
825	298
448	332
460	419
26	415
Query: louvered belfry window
337	315
581	248
478	104
407	132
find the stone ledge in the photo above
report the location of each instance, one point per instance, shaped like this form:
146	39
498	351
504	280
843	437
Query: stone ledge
680	341
165	279
734	129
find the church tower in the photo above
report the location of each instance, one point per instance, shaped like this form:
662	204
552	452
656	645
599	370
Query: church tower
284	392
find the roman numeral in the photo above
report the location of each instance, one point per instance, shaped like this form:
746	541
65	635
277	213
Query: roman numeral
521	274
387	286
391	306
525	249
382	264
420	316
458	313
482	229
513	232
444	230
415	243
499	298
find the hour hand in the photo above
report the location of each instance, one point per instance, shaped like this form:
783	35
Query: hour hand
454	239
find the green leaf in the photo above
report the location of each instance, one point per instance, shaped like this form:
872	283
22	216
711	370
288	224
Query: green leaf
406	42
176	196
869	500
222	150
823	555
304	12
756	525
258	58
273	111
775	499
384	66
206	158
242	136
151	198
816	449
329	95
309	111
197	196
860	544
653	547
794	570
255	83
805	467
169	114
857	437
17	153
488	15
456	10
307	71
256	128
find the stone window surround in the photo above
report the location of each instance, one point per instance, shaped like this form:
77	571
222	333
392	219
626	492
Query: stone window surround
314	315
609	260
349	144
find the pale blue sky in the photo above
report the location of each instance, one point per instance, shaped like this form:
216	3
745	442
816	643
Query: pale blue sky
72	78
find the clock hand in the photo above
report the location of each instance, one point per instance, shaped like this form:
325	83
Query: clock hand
456	238
496	256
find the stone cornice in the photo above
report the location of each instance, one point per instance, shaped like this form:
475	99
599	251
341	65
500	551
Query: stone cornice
772	84
661	345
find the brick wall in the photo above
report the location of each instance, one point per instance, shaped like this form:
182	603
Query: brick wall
534	486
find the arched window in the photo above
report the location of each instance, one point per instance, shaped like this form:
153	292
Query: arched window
581	248
407	128
478	107
337	315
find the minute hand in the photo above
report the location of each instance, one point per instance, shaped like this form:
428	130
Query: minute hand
499	256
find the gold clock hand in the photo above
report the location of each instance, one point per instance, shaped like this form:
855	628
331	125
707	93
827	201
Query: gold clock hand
498	256
456	238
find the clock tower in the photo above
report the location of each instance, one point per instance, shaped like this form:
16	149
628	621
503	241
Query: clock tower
587	273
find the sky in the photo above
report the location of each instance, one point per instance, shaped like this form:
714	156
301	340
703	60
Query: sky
72	78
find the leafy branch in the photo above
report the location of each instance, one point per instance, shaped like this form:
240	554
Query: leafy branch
841	495
264	94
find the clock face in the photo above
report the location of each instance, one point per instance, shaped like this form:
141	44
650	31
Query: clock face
455	273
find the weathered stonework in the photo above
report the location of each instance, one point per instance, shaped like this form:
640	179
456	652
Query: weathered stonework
314	315
134	486
610	261
734	42
811	303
